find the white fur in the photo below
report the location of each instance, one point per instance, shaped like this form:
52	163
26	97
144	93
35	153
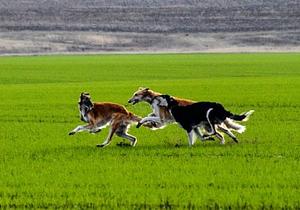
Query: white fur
80	128
150	119
247	114
161	101
155	115
191	138
84	115
234	126
211	126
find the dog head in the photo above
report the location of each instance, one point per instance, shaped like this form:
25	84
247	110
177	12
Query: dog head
142	94
167	101
85	100
85	104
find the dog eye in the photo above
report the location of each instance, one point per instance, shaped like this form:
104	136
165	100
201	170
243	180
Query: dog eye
135	94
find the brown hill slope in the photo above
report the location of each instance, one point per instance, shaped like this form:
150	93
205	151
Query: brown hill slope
38	26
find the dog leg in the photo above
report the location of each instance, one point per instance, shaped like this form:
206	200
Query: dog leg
109	137
81	128
202	136
191	137
148	119
213	128
221	137
122	132
95	130
229	133
131	138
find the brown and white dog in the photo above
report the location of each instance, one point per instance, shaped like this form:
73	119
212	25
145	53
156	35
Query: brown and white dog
101	114
161	115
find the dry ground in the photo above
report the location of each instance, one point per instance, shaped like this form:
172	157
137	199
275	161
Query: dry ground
39	26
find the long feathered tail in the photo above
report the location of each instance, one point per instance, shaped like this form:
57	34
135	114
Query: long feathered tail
242	117
134	117
235	126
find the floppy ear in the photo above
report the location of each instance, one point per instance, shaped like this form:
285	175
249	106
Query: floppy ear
91	107
143	88
85	94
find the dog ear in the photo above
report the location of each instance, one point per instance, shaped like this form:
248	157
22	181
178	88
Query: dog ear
91	106
171	99
143	88
84	94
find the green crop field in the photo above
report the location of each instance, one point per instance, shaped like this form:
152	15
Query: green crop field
42	167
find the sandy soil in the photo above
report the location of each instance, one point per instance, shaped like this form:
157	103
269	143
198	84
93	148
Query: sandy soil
58	42
101	26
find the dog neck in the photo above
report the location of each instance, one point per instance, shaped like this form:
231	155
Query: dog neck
151	96
84	109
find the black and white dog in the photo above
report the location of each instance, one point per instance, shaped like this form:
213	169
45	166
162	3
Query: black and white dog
208	115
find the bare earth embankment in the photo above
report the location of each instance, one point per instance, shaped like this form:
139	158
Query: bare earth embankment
79	26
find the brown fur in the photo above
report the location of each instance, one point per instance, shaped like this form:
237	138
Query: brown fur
164	115
147	95
101	114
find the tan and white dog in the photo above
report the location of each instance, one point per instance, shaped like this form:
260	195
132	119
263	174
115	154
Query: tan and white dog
161	116
101	114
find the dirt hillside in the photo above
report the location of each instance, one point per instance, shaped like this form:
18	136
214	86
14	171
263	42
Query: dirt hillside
62	26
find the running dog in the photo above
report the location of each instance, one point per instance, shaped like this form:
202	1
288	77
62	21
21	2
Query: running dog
100	115
161	115
211	115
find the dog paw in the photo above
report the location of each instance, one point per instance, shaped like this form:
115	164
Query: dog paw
71	133
134	143
236	141
178	145
100	145
97	131
138	125
123	144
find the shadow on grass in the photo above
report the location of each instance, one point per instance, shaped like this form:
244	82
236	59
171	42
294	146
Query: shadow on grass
124	149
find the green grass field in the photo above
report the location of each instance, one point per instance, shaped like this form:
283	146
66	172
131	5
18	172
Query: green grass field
42	167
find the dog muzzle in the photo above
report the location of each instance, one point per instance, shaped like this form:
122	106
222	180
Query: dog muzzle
133	101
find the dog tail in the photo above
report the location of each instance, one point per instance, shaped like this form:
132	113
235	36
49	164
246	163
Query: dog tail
242	117
209	120
134	118
234	126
